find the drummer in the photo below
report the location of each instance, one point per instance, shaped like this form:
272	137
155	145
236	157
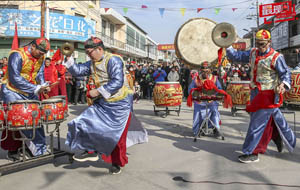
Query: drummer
200	107
270	78
25	81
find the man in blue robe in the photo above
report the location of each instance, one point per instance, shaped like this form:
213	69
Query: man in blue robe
24	80
102	127
270	77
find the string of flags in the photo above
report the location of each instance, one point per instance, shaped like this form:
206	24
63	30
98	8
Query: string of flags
182	10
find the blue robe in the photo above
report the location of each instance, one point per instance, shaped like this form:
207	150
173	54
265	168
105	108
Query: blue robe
101	125
260	118
38	144
200	111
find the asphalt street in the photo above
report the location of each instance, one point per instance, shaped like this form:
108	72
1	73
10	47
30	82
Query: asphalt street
170	155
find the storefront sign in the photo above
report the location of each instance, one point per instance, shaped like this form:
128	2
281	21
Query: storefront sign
165	47
239	45
283	11
63	27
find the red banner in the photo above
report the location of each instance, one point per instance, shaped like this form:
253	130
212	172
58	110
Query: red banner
239	45
166	47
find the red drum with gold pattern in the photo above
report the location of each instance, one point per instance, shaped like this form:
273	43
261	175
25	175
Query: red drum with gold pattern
167	94
239	92
293	95
2	118
53	111
23	114
64	102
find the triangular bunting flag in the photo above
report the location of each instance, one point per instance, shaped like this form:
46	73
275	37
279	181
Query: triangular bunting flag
15	43
233	9
144	7
161	11
217	10
199	9
72	8
91	6
182	10
106	9
125	10
252	8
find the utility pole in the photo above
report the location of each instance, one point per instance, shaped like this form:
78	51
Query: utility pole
43	10
257	14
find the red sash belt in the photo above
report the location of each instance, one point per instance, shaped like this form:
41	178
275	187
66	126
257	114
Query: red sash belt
264	100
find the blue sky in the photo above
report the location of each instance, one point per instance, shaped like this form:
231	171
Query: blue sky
163	29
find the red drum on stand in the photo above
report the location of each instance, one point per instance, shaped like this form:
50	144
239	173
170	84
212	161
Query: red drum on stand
53	111
239	92
64	102
23	114
167	94
293	95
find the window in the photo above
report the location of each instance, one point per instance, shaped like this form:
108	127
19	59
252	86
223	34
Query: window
137	44
294	30
143	43
104	27
130	36
56	11
79	15
5	6
112	31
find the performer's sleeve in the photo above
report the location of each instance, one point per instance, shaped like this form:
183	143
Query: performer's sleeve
284	72
15	64
239	56
77	70
192	85
40	77
116	76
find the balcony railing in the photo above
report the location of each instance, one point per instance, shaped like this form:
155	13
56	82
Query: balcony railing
113	43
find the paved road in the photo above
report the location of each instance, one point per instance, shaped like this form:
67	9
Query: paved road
170	152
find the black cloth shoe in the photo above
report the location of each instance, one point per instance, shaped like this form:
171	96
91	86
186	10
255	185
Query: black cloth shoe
13	155
86	156
115	169
279	144
245	158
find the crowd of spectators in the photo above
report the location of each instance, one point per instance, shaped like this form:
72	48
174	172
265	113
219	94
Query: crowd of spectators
145	76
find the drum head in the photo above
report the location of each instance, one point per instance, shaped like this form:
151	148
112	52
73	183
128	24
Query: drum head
47	101
193	42
25	101
58	97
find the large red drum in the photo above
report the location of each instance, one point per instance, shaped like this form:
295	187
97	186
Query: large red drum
53	111
167	94
65	103
2	118
293	95
239	92
23	114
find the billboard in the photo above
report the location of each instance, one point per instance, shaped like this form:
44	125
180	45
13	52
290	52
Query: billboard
62	27
280	36
166	47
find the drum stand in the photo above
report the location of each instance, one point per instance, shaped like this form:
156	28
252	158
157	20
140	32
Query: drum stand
25	163
205	123
166	109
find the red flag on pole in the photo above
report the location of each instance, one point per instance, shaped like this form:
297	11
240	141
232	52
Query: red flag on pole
106	9
57	56
15	44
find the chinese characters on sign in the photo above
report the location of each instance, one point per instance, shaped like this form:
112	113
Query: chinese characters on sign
166	47
62	26
283	11
239	45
